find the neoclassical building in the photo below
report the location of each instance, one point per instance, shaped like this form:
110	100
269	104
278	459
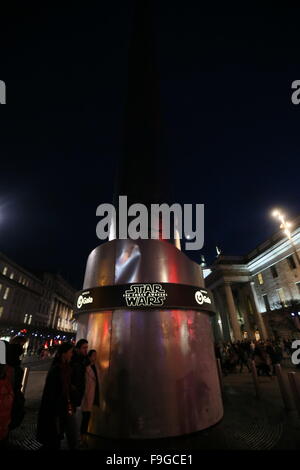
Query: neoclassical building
39	302
258	295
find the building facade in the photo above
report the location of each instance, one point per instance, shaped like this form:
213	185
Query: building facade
40	304
258	295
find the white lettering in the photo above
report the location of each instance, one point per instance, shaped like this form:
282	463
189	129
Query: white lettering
83	300
295	95
2	92
145	295
296	354
2	352
160	222
201	297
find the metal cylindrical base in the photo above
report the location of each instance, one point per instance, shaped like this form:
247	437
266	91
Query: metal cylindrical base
158	370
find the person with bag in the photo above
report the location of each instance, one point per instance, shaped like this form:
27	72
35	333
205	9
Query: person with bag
56	411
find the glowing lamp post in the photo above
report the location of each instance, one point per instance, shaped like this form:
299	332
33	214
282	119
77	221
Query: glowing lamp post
285	226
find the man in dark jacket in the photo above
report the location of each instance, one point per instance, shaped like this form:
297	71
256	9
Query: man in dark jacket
79	363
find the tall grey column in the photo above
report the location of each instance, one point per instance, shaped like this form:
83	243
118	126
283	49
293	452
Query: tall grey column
55	310
232	312
257	312
245	314
224	319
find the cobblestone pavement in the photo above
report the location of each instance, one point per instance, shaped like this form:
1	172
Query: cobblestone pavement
248	424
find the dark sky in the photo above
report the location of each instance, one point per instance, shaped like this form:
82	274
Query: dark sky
231	130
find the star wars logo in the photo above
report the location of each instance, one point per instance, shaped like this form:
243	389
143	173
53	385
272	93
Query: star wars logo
145	295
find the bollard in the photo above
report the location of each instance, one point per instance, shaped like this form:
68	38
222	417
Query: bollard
255	379
286	398
295	387
25	379
220	374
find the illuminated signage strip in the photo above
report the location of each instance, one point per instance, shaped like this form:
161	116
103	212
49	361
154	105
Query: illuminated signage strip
141	296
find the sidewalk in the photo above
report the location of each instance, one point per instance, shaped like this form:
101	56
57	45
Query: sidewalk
248	423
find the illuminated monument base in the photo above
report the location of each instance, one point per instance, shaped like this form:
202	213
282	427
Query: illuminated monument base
158	368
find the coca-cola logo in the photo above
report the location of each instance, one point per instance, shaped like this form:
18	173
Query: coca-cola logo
82	300
202	297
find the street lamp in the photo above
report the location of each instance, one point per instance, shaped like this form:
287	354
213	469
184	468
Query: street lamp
285	226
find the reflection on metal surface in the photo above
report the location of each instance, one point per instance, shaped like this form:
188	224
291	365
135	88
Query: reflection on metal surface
158	369
25	379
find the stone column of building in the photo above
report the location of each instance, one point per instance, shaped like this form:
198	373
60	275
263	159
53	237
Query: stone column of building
215	329
67	318
245	313
64	316
232	312
224	319
57	314
258	316
52	312
55	311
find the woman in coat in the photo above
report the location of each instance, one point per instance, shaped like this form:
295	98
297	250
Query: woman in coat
56	405
92	391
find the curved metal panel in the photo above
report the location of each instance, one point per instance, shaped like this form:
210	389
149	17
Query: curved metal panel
158	369
127	261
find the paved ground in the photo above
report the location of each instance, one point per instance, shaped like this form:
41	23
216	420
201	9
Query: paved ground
248	423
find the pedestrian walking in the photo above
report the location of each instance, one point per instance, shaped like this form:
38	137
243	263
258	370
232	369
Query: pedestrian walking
243	359
56	409
79	363
91	396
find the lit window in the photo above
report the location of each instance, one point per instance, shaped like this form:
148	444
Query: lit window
25	318
266	302
281	295
1	310
291	262
274	271
6	293
30	318
260	278
12	276
4	270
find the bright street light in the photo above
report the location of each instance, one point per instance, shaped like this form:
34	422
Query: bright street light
285	226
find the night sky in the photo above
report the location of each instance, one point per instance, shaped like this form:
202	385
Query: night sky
231	131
